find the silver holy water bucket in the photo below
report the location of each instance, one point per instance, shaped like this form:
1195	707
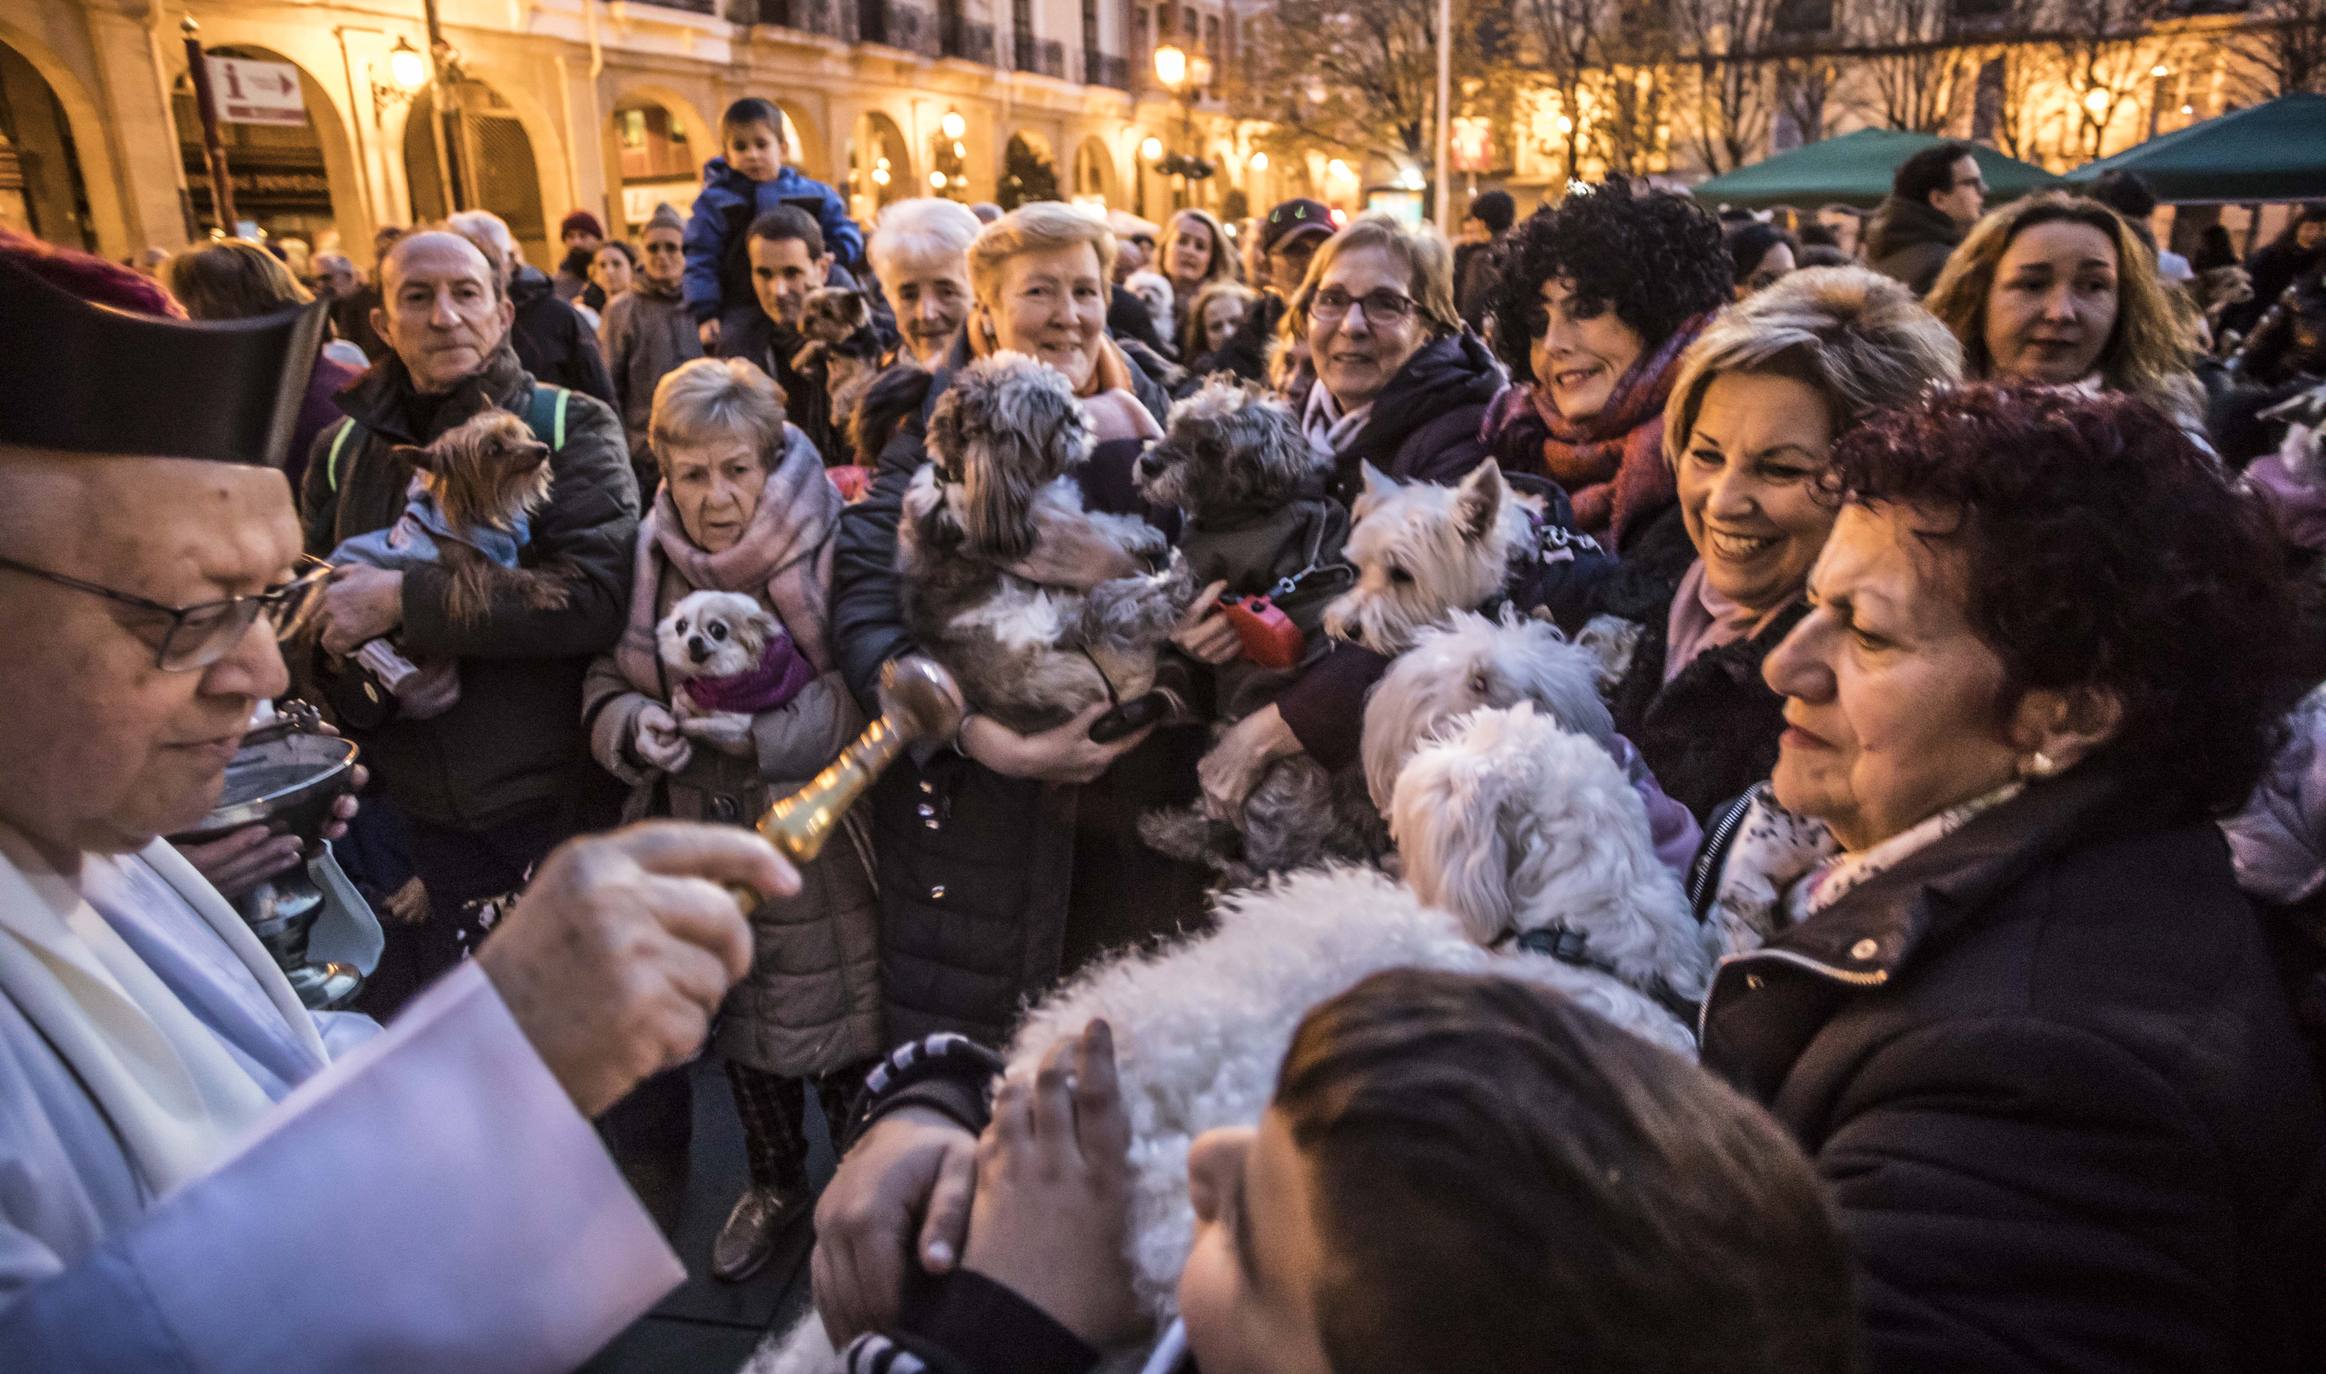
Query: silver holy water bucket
289	779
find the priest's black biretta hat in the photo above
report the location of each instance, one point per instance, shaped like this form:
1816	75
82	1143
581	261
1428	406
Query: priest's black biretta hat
86	378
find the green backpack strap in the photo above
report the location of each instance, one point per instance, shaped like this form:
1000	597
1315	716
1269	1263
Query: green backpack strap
334	462
545	414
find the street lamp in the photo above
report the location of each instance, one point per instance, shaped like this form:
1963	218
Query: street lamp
407	73
953	125
1180	75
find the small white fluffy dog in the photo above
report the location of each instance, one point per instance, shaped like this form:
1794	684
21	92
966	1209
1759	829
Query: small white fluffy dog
1517	836
1466	662
1422	550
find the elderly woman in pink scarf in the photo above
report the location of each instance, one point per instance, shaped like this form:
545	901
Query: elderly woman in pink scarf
745	508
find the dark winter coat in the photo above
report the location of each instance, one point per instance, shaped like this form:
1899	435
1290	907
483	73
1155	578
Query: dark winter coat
1424	425
318	411
1711	732
811	1003
1476	272
2047	1070
991	888
1127	317
554	342
1909	241
513	742
718	264
647	333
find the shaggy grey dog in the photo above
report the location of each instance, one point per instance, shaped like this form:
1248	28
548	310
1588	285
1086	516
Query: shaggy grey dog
1233	460
1004	443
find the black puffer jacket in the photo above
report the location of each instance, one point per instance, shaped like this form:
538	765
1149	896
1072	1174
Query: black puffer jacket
554	342
992	887
1711	732
2047	1069
514	740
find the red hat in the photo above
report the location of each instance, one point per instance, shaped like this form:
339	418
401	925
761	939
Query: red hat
583	220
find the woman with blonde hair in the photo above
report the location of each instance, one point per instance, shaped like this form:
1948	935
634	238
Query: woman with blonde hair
2056	290
1008	858
236	279
1757	403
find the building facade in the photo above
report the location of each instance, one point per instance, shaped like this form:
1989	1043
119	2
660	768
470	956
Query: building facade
605	105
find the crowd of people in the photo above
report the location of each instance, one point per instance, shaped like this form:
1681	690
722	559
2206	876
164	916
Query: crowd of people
1953	609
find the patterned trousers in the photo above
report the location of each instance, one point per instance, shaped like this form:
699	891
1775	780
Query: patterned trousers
774	1111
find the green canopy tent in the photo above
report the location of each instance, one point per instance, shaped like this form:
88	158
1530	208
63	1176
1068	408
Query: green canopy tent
2272	151
1855	169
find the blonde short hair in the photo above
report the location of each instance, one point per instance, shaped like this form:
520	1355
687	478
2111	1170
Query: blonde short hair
231	279
1429	266
1040	227
715	398
925	230
1861	339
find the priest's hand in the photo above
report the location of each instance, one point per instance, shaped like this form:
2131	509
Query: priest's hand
620	951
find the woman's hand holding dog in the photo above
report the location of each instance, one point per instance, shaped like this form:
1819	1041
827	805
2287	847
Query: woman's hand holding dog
729	732
657	741
1205	633
1234	765
1063	753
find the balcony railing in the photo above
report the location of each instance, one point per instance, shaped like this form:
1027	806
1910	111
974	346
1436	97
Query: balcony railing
1105	69
956	37
821	17
690	6
1041	57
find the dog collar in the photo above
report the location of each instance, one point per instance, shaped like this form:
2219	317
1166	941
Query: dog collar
1571	946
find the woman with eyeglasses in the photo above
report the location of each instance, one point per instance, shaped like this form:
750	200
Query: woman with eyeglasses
647	333
1401	387
1399	383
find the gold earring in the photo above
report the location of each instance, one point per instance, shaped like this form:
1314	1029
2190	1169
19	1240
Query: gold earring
2041	765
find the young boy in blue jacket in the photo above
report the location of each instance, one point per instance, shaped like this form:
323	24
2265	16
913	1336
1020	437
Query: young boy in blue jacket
751	179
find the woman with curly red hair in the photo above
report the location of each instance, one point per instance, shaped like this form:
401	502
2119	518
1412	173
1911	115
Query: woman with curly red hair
1993	967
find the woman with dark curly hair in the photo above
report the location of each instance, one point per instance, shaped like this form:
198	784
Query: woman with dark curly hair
1599	297
1994	971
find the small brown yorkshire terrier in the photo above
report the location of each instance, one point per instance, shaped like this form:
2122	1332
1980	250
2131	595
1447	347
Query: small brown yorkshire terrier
480	483
838	325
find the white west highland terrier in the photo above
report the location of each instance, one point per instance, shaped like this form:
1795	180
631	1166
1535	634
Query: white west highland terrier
1423	550
1535	850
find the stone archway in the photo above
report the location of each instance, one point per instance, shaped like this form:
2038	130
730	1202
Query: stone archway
42	190
291	181
488	142
1029	171
880	166
1094	171
119	221
804	137
655	149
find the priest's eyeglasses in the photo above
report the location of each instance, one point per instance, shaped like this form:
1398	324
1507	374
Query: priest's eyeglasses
199	635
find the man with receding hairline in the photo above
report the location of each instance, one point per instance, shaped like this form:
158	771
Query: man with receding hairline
196	1172
494	781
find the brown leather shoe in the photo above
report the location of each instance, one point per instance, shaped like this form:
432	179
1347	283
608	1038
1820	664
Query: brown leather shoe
748	1239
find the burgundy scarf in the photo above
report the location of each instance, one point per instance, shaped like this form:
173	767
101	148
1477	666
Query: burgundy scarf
781	673
1612	464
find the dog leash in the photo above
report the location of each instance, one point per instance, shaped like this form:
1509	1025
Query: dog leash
1571	946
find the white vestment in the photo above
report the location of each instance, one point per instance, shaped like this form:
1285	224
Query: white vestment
428	1199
